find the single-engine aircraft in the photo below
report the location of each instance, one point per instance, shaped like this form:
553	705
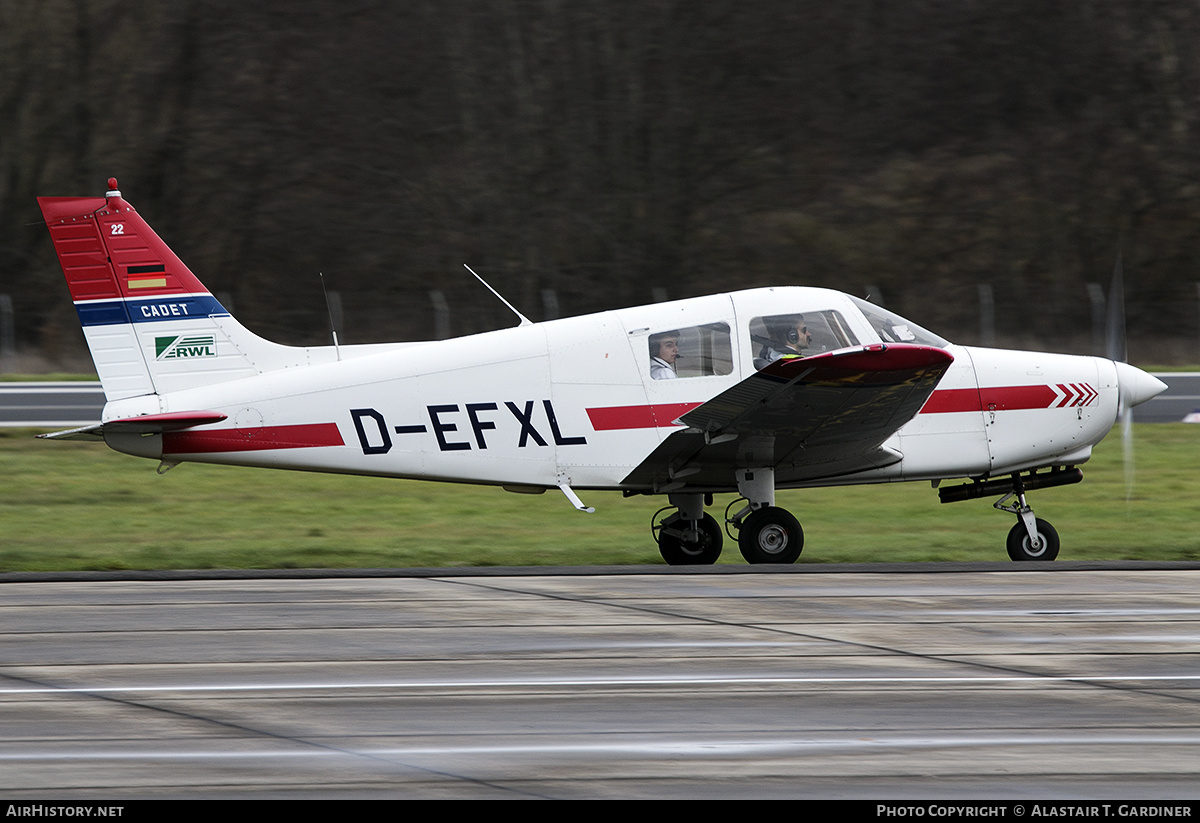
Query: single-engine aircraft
742	393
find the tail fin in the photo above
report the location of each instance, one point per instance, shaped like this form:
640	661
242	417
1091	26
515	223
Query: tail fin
151	325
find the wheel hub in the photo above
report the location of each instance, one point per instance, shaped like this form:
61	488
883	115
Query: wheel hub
773	539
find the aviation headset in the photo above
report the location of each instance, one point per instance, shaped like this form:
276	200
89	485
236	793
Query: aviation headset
784	328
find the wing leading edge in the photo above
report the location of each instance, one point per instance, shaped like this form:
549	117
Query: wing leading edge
808	418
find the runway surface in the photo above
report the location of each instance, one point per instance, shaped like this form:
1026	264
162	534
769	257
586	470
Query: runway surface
64	403
987	683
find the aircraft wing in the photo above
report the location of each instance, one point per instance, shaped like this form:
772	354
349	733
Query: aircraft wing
806	417
143	424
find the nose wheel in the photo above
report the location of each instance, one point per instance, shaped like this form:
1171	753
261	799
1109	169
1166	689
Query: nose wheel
1032	538
1042	545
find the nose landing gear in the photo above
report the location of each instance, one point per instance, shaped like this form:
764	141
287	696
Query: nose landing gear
1042	544
1032	538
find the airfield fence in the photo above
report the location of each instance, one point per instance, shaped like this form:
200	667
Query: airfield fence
1160	332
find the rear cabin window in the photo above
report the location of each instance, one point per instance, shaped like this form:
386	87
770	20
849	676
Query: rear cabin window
694	351
798	335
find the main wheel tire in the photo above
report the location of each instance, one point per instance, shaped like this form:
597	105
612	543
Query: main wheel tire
679	552
1021	548
771	535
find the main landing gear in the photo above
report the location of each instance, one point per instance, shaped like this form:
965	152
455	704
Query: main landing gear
765	533
689	536
1032	538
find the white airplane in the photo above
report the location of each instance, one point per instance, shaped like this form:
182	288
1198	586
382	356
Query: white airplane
739	393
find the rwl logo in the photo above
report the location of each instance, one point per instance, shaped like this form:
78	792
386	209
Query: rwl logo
179	346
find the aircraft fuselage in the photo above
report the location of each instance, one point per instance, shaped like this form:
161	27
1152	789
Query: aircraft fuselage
573	399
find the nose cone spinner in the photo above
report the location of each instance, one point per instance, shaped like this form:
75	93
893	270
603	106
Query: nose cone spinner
1136	386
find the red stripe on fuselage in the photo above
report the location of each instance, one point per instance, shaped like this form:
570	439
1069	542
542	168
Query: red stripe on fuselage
943	401
611	418
990	398
263	438
946	401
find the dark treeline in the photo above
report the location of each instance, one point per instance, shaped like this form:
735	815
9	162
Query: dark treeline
917	148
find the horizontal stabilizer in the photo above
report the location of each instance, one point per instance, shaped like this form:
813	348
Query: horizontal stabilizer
143	424
92	432
168	422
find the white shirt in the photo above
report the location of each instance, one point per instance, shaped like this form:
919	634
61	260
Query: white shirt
661	370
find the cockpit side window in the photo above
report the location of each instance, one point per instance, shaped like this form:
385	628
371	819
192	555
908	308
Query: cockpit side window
892	328
694	351
798	335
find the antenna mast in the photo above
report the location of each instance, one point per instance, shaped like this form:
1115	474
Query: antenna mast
525	321
329	310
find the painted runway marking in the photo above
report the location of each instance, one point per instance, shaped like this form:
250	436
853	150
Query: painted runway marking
680	747
602	682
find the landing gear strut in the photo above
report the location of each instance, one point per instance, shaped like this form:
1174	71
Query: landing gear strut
689	536
765	532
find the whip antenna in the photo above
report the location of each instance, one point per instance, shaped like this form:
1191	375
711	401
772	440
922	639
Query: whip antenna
525	321
329	309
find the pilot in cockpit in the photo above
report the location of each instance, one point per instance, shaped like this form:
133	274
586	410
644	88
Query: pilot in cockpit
664	351
789	338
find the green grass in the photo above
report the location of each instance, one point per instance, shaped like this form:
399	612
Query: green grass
68	505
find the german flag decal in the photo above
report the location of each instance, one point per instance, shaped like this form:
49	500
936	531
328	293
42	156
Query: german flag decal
138	279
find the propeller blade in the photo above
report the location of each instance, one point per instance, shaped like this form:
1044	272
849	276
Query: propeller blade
1115	331
1127	451
1117	351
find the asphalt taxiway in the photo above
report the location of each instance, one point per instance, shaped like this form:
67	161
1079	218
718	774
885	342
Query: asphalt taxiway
938	681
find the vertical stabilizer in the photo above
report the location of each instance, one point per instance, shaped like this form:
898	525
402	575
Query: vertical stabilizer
151	325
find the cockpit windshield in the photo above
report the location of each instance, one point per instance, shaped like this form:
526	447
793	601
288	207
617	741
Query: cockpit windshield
892	328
